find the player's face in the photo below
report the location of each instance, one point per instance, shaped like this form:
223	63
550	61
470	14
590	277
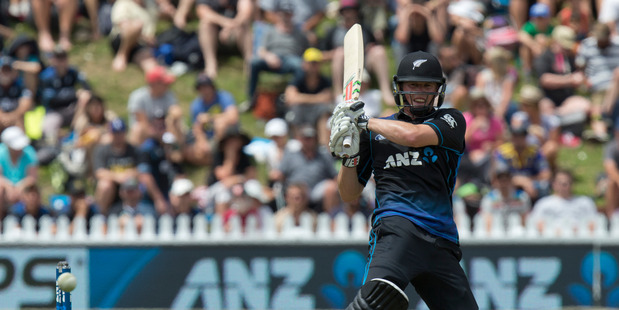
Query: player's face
419	99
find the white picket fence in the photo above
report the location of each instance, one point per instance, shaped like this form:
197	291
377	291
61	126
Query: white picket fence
325	229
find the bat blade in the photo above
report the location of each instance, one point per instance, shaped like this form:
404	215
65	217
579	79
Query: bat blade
353	67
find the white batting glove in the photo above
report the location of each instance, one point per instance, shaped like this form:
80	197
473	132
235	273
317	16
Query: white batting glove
354	110
341	128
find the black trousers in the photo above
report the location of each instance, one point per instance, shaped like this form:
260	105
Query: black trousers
403	253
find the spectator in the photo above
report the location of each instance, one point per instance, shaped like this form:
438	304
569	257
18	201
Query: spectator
247	200
611	168
146	101
217	106
563	208
599	54
314	166
231	165
25	52
465	18
421	25
375	54
18	165
30	204
281	49
578	15
131	205
158	166
498	81
80	205
484	134
133	33
297	204
91	123
535	35
114	163
15	98
181	200
42	14
503	200
228	22
559	78
544	129
529	168
458	79
306	15
60	94
309	97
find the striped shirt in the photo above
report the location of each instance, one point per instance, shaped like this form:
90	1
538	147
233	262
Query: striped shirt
599	64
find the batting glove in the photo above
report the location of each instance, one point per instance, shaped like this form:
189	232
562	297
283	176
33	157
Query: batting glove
341	128
352	109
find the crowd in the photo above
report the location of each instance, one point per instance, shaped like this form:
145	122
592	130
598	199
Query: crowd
531	79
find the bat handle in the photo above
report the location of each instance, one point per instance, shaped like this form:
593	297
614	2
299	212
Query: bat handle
354	107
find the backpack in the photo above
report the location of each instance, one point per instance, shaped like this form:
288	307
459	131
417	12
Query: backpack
176	44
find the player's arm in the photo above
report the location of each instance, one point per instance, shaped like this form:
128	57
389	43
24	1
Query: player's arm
403	133
348	184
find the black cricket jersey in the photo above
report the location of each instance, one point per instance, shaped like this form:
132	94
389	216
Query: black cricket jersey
416	182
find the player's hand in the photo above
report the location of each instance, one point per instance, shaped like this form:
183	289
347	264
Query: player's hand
352	109
341	127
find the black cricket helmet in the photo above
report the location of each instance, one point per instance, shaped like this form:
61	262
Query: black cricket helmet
419	67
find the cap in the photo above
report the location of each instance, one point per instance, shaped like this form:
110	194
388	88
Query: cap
204	80
131	183
469	9
118	125
312	54
349	4
307	131
181	187
564	36
15	138
253	189
159	74
539	10
530	94
6	61
601	31
276	127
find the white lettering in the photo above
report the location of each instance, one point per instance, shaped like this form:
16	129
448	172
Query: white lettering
202	281
496	287
241	285
296	272
402	159
543	273
406	159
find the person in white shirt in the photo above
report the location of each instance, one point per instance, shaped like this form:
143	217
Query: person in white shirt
563	208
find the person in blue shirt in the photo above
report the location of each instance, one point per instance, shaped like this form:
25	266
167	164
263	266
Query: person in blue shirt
212	112
413	156
30	204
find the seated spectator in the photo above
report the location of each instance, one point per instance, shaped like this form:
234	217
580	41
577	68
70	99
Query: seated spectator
80	205
375	54
503	200
419	26
560	78
535	35
30	203
181	201
281	49
465	17
226	22
458	79
158	164
297	204
314	166
60	94
563	208
498	81
485	132
306	15
247	199
15	98
144	102
133	33
544	130
577	15
91	125
309	97
25	52
131	205
114	163
529	168
42	15
217	105
18	165
231	165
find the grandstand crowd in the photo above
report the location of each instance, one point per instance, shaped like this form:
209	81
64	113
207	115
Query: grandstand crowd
530	77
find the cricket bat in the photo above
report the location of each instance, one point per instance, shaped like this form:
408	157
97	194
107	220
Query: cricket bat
353	68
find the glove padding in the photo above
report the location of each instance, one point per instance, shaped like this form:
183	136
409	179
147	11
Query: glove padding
340	128
354	110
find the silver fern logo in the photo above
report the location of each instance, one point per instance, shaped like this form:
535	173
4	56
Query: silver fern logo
418	63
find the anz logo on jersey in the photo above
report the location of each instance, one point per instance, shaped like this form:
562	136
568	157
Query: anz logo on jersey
411	158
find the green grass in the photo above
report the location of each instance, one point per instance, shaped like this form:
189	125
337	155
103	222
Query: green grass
94	59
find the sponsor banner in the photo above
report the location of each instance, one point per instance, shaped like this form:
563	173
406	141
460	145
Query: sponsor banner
28	276
543	276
